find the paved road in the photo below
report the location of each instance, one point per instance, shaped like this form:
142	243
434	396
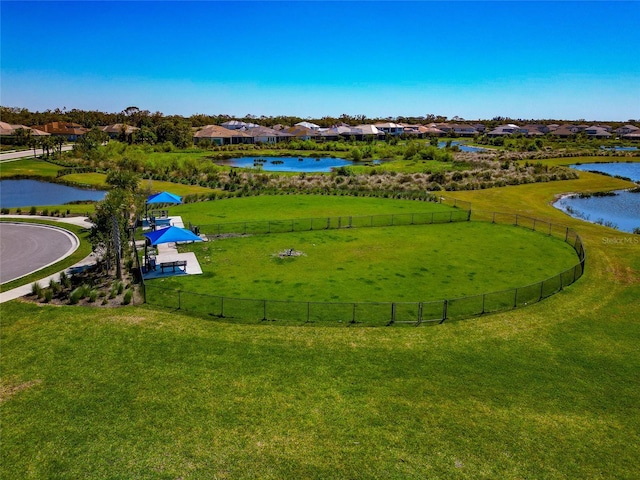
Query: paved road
8	157
26	248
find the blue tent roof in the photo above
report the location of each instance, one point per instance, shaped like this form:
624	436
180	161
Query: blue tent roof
172	234
164	197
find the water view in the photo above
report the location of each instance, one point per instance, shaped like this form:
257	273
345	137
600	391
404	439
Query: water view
620	209
289	164
26	193
463	147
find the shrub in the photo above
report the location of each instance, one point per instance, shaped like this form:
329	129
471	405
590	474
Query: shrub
48	295
93	295
5	211
127	297
45	212
32	211
36	290
65	280
76	296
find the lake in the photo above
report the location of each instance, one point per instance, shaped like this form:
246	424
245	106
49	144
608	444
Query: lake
27	193
290	164
621	211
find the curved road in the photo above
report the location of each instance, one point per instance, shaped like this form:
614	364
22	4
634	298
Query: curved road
28	247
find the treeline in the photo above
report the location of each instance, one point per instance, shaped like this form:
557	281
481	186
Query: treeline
137	117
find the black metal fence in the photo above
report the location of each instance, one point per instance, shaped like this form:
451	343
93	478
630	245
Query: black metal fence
246	310
330	223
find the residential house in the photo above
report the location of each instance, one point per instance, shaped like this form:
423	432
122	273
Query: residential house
309	125
508	129
390	128
238	125
535	129
303	133
597	132
70	131
627	129
221	136
266	135
117	130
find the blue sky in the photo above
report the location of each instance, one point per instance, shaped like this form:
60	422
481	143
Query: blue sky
542	59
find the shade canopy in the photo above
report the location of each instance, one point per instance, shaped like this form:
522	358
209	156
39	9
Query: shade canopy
172	234
164	197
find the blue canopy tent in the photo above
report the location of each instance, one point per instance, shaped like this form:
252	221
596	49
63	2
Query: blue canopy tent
162	197
167	235
172	234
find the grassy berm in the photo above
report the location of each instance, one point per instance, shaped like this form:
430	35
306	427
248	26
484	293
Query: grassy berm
548	391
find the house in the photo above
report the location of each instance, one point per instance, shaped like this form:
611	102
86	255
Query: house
463	130
565	131
7	130
508	129
627	129
303	133
390	128
309	125
266	135
71	131
221	136
368	131
597	132
238	125
535	129
117	130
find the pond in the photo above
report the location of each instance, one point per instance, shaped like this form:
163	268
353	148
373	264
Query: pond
291	164
463	147
619	210
27	193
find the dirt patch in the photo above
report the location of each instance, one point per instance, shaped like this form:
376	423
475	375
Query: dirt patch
8	390
288	253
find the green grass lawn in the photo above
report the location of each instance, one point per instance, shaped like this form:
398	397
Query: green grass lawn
547	391
28	167
284	207
389	264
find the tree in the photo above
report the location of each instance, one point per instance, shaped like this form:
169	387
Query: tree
114	217
22	136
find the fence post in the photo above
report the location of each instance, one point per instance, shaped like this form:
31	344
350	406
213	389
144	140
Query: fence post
541	290
493	218
566	235
483	299
222	307
264	310
550	224
468	215
179	301
308	312
444	311
515	299
353	317
561	282
393	314
516	219
534	225
392	217
419	313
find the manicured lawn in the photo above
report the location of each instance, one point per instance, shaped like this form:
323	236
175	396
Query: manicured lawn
28	167
281	207
402	264
547	391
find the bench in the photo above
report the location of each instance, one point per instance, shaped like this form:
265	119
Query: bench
174	265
